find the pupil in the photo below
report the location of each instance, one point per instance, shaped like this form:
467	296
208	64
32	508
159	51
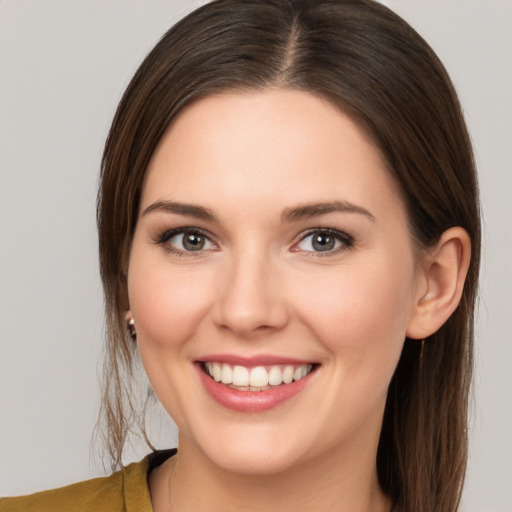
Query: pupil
193	242
323	243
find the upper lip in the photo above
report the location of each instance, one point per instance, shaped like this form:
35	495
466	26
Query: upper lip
250	361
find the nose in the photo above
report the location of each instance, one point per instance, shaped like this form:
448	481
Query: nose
250	300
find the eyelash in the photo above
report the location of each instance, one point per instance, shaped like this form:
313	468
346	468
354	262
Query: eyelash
345	240
166	236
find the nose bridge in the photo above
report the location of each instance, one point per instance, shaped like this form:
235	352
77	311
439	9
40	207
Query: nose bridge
250	299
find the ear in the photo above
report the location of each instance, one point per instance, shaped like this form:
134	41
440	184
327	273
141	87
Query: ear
130	325
443	272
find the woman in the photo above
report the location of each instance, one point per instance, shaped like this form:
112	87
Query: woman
289	239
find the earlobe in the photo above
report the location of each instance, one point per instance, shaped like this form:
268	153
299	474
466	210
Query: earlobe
130	325
444	269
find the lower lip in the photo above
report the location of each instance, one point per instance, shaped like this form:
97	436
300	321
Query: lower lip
250	401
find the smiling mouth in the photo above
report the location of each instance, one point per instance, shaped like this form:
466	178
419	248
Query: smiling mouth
258	378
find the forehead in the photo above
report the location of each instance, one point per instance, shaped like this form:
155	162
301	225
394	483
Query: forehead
262	148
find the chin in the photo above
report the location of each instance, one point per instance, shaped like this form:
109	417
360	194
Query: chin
252	450
252	460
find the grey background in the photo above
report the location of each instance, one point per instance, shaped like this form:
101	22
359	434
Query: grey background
63	66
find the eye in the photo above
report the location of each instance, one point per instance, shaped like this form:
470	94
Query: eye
186	241
324	241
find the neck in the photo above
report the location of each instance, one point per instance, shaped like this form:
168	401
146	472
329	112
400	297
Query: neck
341	481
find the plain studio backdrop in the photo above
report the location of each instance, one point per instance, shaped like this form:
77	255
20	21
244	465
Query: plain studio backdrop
63	67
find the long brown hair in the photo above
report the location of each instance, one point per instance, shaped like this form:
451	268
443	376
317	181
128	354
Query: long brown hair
377	69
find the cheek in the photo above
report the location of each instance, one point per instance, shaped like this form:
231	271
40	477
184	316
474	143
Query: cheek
167	306
167	309
361	311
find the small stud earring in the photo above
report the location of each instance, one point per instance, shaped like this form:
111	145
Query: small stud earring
130	326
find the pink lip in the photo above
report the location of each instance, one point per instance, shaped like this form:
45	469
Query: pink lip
249	362
251	401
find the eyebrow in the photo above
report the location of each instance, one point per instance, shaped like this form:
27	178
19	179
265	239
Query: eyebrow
311	210
190	210
295	214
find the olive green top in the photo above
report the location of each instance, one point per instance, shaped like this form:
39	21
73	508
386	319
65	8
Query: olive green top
124	491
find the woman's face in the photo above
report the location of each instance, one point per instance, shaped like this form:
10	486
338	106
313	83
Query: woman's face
271	245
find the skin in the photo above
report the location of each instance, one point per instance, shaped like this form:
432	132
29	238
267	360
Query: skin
259	287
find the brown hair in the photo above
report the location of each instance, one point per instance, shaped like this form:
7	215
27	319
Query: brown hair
376	68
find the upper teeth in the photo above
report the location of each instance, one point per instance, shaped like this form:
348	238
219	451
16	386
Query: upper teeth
257	377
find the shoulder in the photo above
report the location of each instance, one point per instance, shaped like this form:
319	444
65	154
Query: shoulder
100	494
123	491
